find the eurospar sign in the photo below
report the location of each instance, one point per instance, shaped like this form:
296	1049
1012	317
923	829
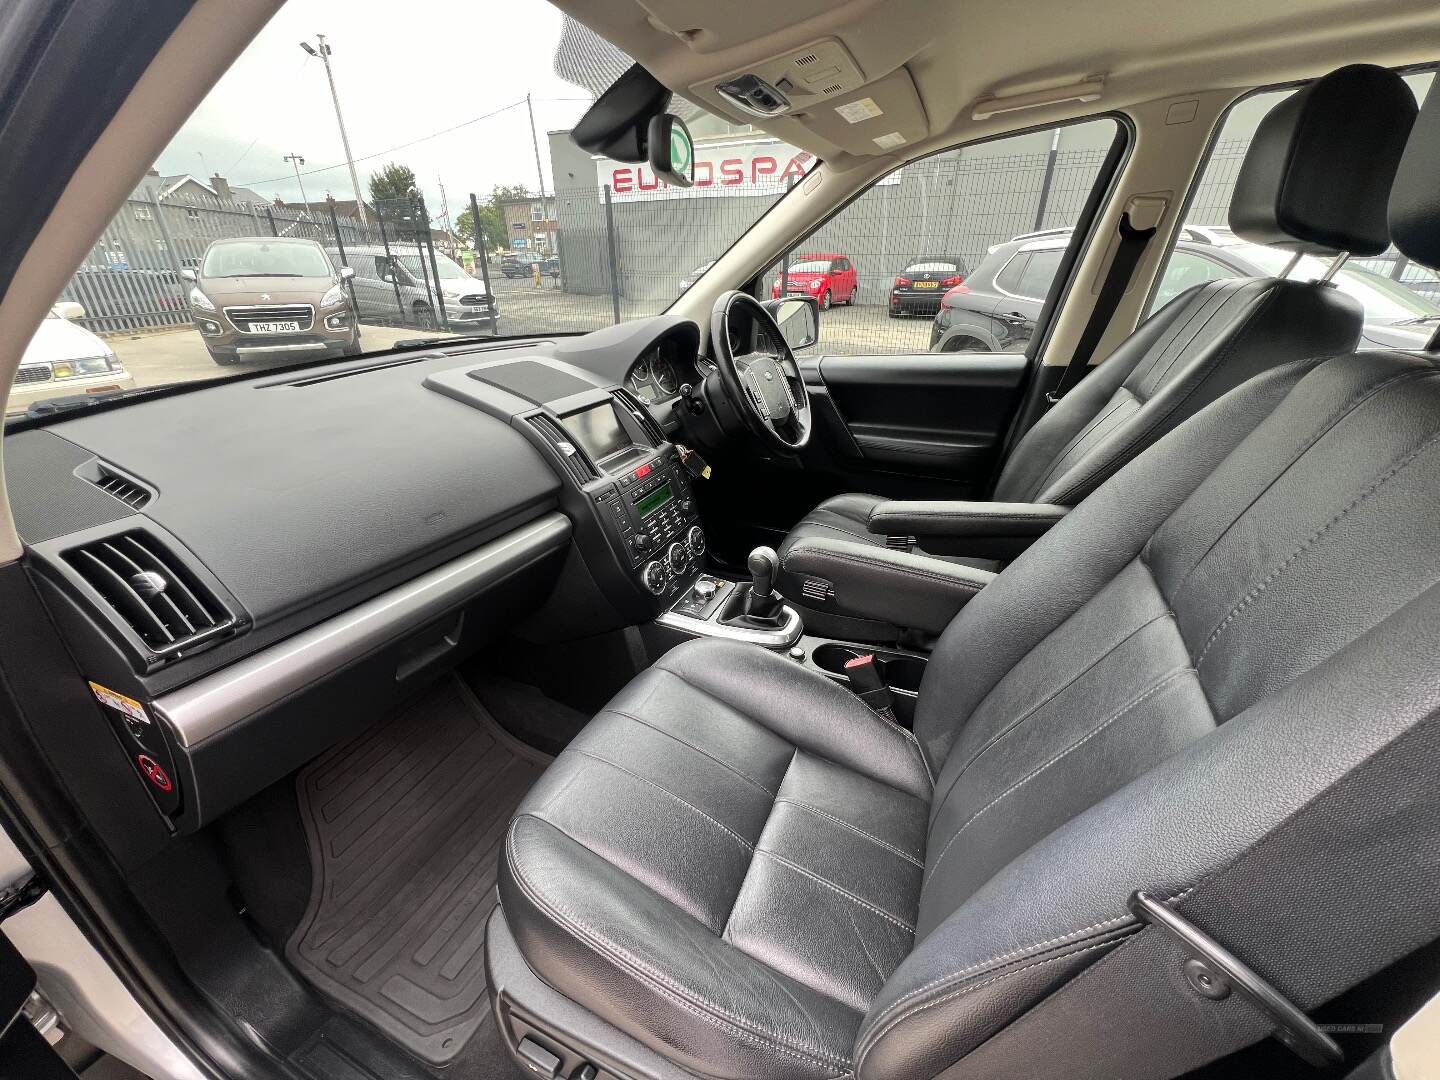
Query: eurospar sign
732	168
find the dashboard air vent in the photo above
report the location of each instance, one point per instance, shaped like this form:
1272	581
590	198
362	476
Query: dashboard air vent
122	488
642	416
151	591
576	463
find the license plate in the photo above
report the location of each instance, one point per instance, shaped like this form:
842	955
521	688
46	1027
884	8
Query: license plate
289	326
927	284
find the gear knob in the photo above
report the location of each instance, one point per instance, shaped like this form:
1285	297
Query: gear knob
764	565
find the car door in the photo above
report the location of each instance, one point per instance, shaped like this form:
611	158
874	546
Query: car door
893	418
1022	287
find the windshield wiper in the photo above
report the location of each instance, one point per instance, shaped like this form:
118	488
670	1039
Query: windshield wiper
265	275
1420	320
432	342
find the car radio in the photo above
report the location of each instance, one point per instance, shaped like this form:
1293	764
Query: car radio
650	516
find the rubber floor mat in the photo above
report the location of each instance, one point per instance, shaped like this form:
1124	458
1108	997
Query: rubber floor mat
405	825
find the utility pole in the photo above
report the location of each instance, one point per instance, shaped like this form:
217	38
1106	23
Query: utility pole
323	51
296	160
444	208
535	139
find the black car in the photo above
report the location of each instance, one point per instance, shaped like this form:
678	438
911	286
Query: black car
920	285
518	263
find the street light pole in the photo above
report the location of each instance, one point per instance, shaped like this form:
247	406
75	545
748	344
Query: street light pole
323	51
535	141
296	160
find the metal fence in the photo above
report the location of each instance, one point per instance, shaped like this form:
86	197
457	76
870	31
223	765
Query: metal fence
618	255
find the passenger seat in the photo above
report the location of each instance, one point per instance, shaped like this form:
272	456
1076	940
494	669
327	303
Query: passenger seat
1315	182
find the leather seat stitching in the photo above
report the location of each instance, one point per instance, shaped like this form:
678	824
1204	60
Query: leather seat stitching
853	828
685	998
1110	407
1048	698
1322	429
739	892
961	992
866	537
1005	959
646	780
839	889
1255	592
857	560
1228	302
699	750
1087	482
1133	703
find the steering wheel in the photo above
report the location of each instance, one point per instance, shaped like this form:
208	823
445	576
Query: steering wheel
765	388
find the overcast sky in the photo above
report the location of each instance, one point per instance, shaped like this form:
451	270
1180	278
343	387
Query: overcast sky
404	71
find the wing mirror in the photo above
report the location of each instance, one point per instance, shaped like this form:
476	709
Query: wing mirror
188	274
68	309
346	273
799	320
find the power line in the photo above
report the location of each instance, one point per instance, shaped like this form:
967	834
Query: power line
391	150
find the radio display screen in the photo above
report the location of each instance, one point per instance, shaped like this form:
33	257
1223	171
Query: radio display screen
597	430
648	504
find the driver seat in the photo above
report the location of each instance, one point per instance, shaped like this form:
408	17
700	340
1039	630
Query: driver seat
861	567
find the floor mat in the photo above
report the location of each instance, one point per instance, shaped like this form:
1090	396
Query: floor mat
405	825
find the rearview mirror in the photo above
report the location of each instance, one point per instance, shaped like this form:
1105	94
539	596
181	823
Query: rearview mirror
799	320
187	273
671	150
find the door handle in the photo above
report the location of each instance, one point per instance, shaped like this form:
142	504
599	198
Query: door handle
1012	317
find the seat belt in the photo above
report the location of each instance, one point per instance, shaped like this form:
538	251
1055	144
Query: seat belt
1133	241
1337	892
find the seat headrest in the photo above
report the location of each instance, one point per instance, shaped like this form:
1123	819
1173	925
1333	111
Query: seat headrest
1415	198
1317	176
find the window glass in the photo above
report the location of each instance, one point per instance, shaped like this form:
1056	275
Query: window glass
1401	299
1184	270
1009	278
974	204
454	189
1040	273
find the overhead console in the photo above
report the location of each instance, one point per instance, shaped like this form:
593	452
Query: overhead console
625	487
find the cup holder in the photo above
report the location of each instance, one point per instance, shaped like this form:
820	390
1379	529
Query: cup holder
899	671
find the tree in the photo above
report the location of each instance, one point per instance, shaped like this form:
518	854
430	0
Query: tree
392	182
492	227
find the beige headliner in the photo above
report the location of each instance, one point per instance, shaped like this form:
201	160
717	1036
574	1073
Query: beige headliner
953	53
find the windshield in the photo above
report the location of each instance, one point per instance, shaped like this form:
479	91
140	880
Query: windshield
216	262
447	269
259	259
811	266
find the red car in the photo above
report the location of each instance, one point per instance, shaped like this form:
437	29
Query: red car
826	275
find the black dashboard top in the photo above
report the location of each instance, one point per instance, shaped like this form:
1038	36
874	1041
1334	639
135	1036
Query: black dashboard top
305	491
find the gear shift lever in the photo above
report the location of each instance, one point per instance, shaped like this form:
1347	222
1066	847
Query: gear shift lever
763	602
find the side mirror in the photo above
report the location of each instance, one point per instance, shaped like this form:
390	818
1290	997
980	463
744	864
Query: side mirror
68	309
188	274
671	150
799	320
346	273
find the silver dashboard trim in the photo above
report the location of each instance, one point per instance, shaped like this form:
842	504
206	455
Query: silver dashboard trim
210	705
782	637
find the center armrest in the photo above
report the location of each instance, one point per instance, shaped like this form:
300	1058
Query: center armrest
997	530
901	588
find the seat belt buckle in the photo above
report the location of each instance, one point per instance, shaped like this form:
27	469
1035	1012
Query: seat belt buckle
1214	972
867	685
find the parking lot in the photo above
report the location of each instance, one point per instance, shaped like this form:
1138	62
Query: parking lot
163	356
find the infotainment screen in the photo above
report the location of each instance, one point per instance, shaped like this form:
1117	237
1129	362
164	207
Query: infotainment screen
597	430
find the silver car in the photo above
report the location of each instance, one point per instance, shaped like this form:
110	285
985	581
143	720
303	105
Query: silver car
399	284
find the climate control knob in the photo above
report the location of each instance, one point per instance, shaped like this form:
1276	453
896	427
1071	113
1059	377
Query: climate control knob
677	557
654	577
695	540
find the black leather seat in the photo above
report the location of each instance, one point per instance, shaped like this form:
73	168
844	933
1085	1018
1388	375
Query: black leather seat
1213	681
1294	192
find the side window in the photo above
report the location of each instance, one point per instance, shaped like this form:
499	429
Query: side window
1185	270
1207	226
1040	273
1010	277
966	204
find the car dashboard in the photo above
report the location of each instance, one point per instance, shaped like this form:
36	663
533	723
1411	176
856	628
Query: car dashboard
251	571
